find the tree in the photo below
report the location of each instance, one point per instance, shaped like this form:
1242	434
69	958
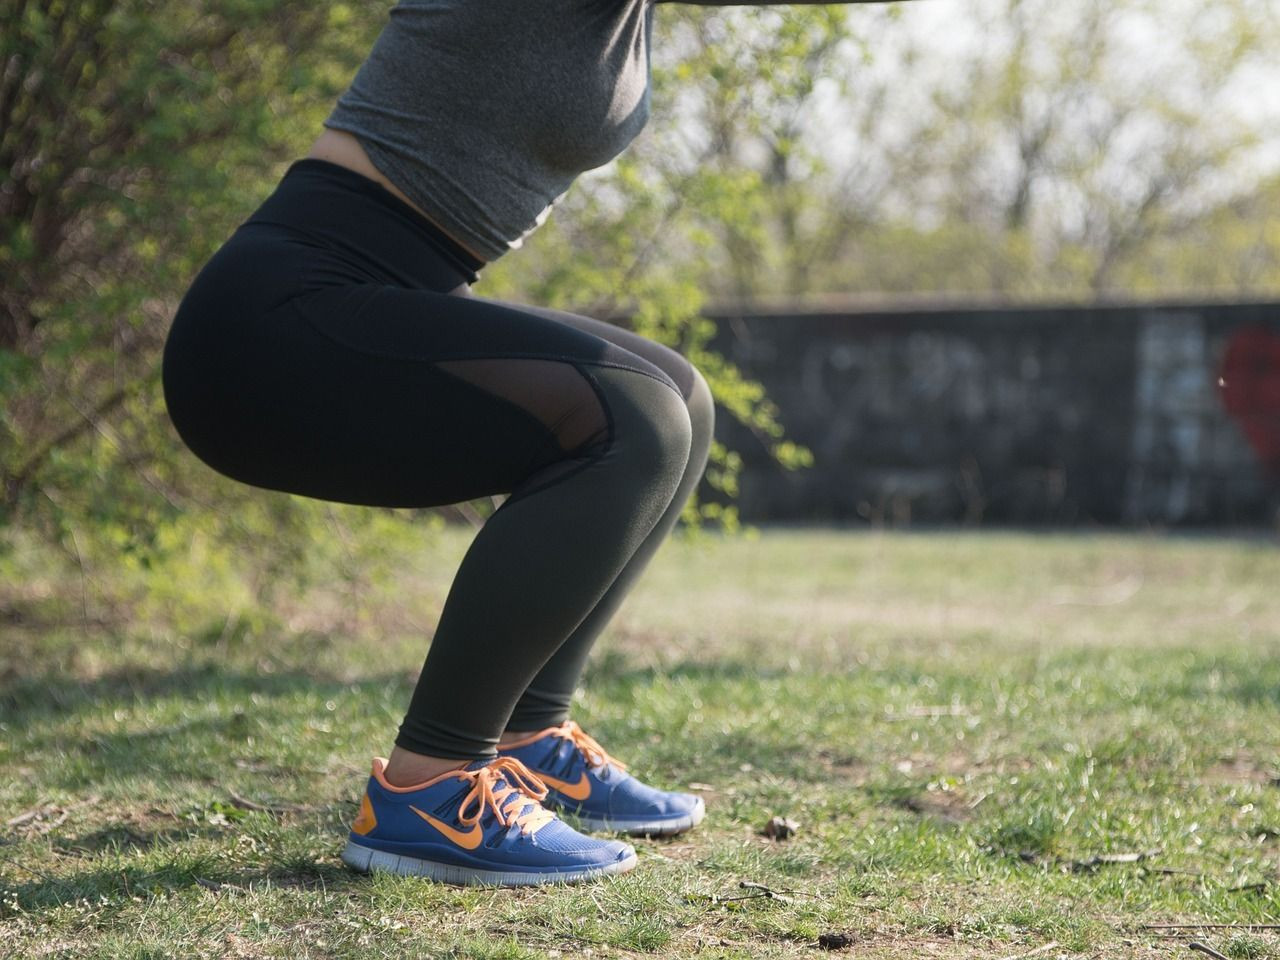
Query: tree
132	136
1053	144
135	135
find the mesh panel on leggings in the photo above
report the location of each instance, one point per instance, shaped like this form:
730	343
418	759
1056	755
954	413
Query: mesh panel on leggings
553	391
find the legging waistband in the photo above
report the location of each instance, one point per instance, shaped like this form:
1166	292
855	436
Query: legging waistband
348	211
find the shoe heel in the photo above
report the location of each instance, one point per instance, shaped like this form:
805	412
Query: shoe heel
357	857
367	860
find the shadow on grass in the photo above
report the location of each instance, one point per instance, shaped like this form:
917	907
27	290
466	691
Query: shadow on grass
29	700
118	885
36	709
41	713
32	698
132	838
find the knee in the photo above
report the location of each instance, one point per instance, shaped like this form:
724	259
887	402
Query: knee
667	435
702	410
652	429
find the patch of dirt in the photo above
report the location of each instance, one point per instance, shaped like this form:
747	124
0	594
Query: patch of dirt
842	766
962	764
882	945
47	817
950	806
137	829
1242	768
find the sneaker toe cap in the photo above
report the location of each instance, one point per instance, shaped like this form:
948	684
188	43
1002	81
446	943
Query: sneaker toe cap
634	798
559	840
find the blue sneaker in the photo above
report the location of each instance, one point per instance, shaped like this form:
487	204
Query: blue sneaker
480	824
583	779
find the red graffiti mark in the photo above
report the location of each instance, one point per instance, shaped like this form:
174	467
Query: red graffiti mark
1250	385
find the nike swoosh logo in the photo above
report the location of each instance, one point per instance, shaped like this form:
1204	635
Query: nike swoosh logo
468	841
574	791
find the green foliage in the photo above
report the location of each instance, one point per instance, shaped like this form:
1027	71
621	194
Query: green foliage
142	134
1066	150
148	130
1244	946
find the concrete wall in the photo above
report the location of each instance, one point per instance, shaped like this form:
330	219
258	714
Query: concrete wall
1134	414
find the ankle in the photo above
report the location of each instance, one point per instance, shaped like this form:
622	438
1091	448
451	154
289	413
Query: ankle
509	737
406	768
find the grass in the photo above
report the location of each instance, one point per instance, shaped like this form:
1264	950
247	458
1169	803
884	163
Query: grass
965	726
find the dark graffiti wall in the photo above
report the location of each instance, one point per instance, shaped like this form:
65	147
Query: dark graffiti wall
1164	414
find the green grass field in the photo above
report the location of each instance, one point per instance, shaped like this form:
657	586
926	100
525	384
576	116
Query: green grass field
995	745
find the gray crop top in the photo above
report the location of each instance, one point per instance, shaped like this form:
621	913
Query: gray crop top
484	111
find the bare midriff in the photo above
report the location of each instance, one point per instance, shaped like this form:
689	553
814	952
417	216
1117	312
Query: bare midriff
342	148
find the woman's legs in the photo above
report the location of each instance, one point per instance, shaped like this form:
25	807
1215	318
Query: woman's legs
407	397
330	349
545	702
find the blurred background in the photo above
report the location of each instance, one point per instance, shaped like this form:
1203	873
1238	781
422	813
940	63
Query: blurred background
948	262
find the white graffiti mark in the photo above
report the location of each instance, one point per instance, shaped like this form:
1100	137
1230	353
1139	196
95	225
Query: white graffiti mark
1173	410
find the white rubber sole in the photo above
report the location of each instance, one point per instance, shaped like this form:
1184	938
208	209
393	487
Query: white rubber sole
641	827
367	860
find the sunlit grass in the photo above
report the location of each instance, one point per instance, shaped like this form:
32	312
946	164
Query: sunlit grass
964	726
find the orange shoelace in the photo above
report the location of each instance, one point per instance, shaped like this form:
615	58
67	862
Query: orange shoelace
596	755
504	786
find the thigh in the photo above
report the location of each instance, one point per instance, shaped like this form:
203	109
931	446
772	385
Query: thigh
390	396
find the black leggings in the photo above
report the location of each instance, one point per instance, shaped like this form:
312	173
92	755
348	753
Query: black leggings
332	348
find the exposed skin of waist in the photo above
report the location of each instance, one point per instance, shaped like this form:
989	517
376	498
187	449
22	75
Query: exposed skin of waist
342	148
